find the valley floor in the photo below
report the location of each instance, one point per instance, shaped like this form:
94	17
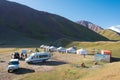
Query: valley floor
63	66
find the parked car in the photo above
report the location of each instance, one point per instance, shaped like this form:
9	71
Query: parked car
13	65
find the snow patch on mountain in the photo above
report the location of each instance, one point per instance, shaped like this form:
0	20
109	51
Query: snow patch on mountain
115	28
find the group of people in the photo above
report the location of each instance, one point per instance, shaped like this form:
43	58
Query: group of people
16	55
23	54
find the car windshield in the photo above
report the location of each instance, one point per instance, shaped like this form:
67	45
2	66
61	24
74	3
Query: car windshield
13	62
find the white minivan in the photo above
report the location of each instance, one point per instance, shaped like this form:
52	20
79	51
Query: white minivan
38	57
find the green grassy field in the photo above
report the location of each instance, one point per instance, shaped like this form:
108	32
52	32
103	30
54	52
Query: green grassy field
68	66
70	70
98	46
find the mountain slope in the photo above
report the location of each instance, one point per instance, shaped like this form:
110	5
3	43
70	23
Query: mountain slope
110	34
40	25
90	25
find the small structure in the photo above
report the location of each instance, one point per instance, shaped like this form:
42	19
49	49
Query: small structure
101	57
107	52
42	46
61	49
82	52
46	48
24	51
71	50
52	49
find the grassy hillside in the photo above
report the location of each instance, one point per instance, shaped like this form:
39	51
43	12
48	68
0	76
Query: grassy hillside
113	46
110	34
66	66
9	37
108	72
40	25
67	72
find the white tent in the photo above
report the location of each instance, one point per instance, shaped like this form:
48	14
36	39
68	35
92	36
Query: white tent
46	48
61	49
42	46
71	50
24	51
82	51
52	48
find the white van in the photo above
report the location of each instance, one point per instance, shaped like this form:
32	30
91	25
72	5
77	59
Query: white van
13	65
38	57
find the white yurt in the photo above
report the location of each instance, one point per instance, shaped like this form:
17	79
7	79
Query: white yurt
61	49
82	51
71	50
42	46
46	48
52	48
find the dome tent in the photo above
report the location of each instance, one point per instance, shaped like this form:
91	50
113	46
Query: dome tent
82	51
71	50
42	46
61	49
52	48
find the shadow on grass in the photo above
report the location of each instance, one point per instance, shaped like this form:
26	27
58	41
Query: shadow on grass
64	42
23	71
1	61
115	59
91	54
49	63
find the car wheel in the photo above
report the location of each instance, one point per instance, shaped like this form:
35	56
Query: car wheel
44	61
10	70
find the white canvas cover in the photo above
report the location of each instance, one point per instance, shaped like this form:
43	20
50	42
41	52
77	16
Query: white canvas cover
102	51
82	51
46	48
52	48
42	46
24	51
71	50
61	49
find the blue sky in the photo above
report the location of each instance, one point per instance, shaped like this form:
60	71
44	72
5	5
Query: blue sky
104	13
